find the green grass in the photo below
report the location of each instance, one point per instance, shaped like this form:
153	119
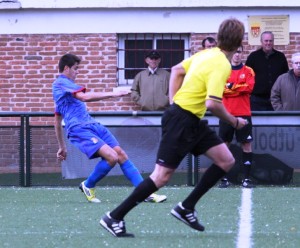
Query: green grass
55	179
61	217
279	225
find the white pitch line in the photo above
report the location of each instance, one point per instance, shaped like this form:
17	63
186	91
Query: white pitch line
245	225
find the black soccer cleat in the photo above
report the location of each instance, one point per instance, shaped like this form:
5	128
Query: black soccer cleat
189	217
115	227
224	183
247	183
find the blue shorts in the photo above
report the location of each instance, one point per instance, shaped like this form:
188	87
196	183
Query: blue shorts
89	138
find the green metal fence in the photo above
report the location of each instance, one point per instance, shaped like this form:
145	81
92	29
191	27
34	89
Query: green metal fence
28	145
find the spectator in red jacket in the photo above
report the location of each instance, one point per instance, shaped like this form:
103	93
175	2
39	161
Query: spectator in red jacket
236	99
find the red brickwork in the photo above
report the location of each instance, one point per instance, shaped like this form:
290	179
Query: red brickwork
9	147
28	66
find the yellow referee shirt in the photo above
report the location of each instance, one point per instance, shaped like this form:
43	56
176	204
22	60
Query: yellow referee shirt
206	75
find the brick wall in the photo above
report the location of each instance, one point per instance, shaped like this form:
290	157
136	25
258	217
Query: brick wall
28	66
9	147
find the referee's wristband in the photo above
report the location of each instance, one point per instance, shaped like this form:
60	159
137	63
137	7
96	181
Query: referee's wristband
237	123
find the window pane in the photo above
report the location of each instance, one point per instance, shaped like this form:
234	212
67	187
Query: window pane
172	52
135	51
132	49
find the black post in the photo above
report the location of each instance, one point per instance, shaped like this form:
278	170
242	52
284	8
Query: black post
22	153
196	169
190	170
28	152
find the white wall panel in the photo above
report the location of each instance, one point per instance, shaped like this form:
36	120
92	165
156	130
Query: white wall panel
198	20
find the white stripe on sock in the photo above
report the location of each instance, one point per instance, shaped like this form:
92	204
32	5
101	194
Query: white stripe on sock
245	225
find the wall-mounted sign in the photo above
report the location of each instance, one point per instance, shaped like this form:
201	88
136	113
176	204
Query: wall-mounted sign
278	25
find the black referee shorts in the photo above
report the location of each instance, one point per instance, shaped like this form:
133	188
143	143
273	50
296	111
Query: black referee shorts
183	133
243	135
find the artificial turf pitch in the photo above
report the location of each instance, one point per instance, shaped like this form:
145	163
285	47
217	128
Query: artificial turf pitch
61	217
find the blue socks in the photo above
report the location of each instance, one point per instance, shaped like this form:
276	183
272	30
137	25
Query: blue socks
101	170
131	173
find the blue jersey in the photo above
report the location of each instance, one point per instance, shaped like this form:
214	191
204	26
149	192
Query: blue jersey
73	111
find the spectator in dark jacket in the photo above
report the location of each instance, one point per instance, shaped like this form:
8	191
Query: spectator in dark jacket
268	64
209	42
285	94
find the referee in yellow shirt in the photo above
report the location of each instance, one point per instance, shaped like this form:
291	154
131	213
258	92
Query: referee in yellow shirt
196	85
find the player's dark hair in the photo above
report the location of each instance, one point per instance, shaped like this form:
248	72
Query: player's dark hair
68	60
230	34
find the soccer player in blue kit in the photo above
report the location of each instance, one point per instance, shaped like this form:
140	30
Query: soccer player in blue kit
84	132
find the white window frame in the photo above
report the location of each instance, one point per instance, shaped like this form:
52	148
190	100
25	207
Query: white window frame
121	50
